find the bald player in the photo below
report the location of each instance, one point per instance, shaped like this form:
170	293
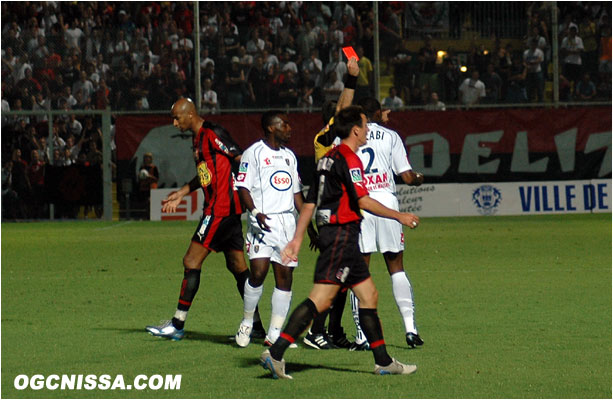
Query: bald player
220	228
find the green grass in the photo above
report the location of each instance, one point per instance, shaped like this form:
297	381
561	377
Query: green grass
509	307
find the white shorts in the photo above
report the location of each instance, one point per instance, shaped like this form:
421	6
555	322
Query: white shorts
382	233
262	244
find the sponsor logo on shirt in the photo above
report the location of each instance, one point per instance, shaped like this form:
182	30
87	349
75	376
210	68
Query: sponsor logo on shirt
243	167
204	174
281	180
356	175
241	177
222	146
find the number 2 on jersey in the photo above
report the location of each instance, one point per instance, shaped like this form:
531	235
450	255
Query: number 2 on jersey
371	159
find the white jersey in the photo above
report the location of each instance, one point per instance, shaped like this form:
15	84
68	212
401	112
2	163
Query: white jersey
383	155
271	176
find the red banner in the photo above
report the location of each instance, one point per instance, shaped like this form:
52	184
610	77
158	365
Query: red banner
468	138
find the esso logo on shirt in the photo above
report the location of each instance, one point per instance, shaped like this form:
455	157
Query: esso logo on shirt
281	180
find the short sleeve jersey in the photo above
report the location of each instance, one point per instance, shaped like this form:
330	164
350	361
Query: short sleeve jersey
337	187
271	176
383	155
214	151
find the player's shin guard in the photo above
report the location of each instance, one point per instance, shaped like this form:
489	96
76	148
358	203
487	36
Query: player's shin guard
189	288
250	302
374	333
403	294
281	301
299	320
336	312
355	306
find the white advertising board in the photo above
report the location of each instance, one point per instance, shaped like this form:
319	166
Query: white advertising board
462	199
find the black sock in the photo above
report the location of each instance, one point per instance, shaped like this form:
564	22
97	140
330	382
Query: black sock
299	320
318	327
189	288
374	333
336	313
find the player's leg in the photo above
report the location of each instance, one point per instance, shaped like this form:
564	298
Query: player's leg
336	333
403	294
281	300
235	262
319	300
361	343
369	319
192	264
254	287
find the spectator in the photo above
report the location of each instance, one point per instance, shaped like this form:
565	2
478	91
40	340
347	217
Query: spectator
516	90
288	90
535	82
148	176
36	177
84	87
404	70
392	102
257	84
287	64
365	77
12	206
435	104
209	97
585	90
493	85
333	87
314	65
235	80
206	58
571	49
337	65
472	90
245	60
255	45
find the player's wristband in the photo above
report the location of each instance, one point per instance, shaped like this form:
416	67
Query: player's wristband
255	212
351	82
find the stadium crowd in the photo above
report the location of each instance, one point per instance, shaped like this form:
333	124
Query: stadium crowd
139	56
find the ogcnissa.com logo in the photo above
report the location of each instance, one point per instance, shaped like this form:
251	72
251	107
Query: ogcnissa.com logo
96	382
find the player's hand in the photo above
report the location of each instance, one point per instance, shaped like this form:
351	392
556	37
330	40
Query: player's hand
170	203
314	236
352	67
290	252
418	179
410	220
261	219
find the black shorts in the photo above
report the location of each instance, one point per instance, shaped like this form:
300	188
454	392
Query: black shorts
220	233
340	261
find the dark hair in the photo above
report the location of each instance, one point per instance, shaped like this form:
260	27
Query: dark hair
346	119
370	105
268	117
328	110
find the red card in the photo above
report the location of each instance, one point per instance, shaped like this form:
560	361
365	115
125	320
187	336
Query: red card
349	52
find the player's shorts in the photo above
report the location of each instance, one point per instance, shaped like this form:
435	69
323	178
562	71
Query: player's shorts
220	233
382	233
262	244
340	261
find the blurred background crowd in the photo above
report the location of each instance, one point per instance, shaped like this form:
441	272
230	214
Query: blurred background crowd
136	56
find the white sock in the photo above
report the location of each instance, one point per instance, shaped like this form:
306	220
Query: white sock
403	294
360	337
251	299
181	315
281	301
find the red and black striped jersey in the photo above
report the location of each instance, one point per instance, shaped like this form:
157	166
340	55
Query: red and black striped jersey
214	151
338	184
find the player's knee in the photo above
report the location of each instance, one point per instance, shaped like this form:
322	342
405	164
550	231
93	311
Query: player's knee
190	262
257	277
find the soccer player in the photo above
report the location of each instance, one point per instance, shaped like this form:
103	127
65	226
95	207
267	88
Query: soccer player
270	188
220	227
324	141
339	192
384	155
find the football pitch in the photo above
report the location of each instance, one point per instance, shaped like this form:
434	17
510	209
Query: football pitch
508	307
